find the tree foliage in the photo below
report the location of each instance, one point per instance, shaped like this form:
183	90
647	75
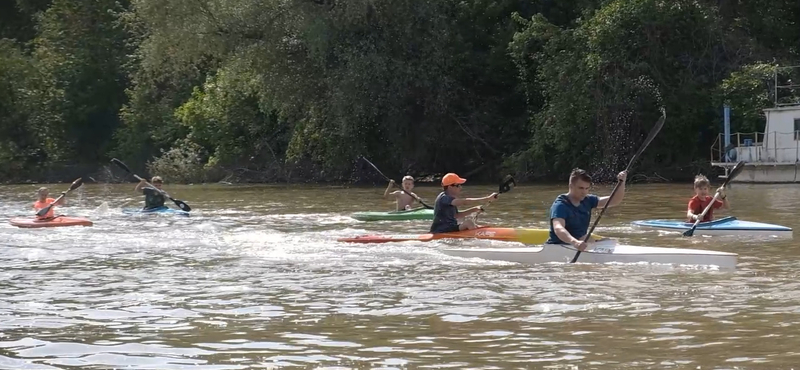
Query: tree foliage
297	89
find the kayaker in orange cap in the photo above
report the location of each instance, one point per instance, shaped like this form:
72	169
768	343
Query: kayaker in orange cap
404	201
44	201
152	197
445	211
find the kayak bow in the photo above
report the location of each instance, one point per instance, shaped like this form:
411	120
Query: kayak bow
411	214
723	226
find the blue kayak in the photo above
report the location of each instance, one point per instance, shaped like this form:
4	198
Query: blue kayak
723	226
160	210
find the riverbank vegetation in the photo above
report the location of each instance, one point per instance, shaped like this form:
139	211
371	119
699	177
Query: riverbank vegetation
296	90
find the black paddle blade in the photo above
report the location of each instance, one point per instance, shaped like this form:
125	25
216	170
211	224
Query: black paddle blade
76	184
120	164
182	205
507	184
737	169
44	211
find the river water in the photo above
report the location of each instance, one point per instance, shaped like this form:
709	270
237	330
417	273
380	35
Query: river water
255	279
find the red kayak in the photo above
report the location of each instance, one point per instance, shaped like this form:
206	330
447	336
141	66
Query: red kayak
58	221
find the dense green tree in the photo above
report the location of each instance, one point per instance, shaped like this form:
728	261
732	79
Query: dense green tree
82	47
296	90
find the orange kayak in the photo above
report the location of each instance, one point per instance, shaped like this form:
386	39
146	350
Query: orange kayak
58	221
526	236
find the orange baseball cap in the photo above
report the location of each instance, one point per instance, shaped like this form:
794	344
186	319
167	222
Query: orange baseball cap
452	179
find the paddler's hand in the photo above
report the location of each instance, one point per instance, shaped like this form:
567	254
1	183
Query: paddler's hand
622	176
391	182
579	245
492	197
721	191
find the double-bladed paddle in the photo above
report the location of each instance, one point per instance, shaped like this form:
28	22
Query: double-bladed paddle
506	185
653	132
731	175
399	186
75	184
177	202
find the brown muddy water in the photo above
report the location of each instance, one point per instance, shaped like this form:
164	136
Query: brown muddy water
255	279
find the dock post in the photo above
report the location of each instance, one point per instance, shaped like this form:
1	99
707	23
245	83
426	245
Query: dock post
727	129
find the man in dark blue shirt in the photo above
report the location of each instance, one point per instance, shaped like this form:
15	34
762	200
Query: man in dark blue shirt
445	211
571	212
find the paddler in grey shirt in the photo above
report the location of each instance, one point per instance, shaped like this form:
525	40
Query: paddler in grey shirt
445	211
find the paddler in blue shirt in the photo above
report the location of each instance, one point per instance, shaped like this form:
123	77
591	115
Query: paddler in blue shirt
152	197
571	212
445	211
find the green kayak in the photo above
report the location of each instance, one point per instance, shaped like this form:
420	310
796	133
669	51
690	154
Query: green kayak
411	214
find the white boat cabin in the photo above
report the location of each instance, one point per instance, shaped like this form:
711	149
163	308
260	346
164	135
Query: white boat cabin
772	156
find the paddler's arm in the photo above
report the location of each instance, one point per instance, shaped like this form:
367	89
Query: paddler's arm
618	195
469	211
565	236
469	201
139	186
386	192
724	198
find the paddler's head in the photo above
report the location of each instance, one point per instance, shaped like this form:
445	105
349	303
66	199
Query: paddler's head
408	183
157	181
701	185
42	193
580	183
451	183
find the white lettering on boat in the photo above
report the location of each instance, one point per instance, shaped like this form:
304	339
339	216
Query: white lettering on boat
486	233
609	249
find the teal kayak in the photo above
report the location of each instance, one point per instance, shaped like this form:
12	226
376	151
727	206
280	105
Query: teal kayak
160	210
411	214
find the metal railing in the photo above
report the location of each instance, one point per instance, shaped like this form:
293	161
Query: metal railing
774	147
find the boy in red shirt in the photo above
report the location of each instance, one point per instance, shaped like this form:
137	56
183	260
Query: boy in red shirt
701	199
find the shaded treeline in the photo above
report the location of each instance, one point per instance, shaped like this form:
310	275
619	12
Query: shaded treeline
296	90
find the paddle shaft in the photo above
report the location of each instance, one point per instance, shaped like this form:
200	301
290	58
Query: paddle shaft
505	186
656	129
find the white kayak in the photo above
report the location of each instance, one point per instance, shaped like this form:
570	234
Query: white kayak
722	226
601	252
